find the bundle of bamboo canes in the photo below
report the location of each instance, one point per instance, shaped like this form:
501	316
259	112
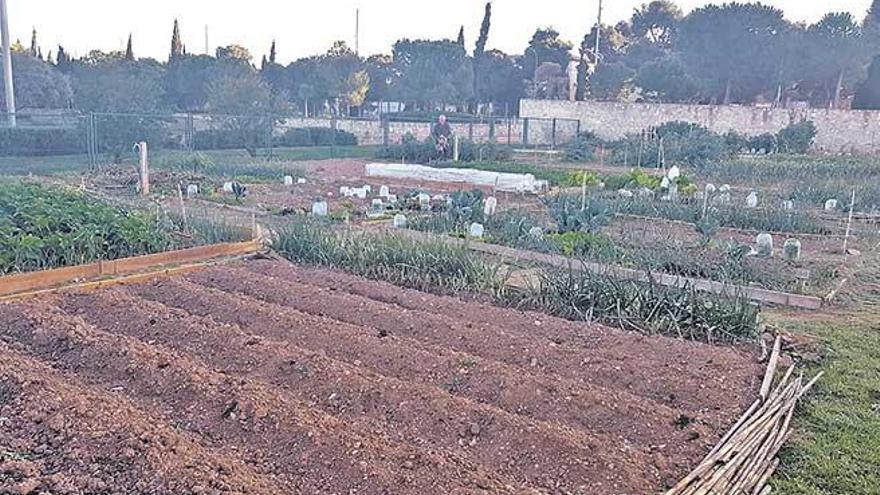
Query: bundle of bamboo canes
745	458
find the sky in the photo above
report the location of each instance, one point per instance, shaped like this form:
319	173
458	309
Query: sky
308	27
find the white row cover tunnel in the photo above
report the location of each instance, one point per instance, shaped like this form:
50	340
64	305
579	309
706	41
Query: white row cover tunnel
506	182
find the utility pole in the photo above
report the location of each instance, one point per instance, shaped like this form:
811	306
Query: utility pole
7	64
598	34
357	31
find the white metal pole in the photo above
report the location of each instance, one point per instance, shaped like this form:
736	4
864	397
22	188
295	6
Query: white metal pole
598	33
357	31
7	64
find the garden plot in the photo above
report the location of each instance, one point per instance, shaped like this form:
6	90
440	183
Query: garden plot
264	377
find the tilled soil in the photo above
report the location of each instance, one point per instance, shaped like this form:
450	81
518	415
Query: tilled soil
263	377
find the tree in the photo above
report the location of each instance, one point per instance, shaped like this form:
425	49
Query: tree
176	43
234	52
666	80
272	53
546	46
611	81
62	60
433	71
835	57
657	23
187	78
501	79
582	76
736	49
550	82
480	47
480	50
383	77
37	84
612	44
129	50
867	95
109	85
107	82
35	49
871	26
247	101
460	39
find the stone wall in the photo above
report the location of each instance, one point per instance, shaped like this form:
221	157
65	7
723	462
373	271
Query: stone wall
839	131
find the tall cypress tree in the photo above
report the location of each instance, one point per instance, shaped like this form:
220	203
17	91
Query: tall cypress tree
461	37
480	49
62	60
176	44
272	53
35	50
129	50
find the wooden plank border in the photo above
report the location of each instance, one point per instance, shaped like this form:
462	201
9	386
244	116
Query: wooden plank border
765	296
47	279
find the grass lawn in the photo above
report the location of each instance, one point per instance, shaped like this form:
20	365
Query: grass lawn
836	449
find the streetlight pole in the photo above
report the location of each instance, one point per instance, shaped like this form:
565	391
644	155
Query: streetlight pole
7	64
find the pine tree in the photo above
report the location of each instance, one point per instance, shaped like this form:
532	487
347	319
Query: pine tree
62	60
480	49
461	36
129	50
177	49
272	53
35	50
264	63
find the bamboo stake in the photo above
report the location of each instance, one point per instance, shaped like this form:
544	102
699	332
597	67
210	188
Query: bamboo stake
852	205
746	457
771	367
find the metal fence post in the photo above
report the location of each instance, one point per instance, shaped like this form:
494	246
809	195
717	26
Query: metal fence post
553	135
525	134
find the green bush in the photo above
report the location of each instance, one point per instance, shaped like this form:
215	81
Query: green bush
763	143
47	228
797	138
583	147
23	141
315	136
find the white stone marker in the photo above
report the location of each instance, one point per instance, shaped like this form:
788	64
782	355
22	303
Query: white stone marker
476	230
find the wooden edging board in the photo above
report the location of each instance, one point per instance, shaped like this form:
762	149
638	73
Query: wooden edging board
35	281
755	294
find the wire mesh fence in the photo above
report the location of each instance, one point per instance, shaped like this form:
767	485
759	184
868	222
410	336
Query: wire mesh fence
46	139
